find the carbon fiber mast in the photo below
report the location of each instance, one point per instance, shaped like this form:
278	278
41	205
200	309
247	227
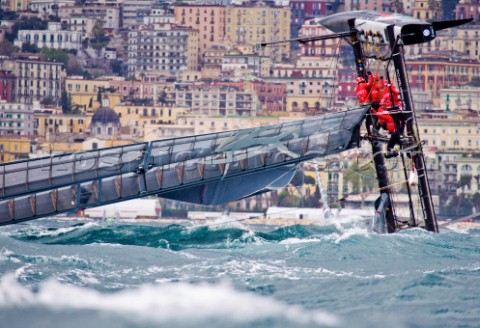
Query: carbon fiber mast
413	138
378	159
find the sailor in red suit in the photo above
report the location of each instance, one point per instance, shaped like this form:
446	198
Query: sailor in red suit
362	91
391	101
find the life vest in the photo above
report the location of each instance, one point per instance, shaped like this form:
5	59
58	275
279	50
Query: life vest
363	93
384	117
375	88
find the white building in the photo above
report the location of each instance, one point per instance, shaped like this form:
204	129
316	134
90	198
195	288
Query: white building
133	11
159	15
161	49
16	118
107	16
46	8
460	98
79	24
54	37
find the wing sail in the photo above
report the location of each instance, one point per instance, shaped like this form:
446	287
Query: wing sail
214	165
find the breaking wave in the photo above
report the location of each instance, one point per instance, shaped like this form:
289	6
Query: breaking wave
178	303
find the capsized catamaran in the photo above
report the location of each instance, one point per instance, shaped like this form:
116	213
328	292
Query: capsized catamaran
222	167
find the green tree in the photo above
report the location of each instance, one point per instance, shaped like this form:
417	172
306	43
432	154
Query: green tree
288	200
361	176
29	47
30	23
475	82
100	39
7	48
57	55
66	103
476	201
48	101
117	67
300	179
73	66
8	15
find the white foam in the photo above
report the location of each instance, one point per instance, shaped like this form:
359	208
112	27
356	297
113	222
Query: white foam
40	232
294	240
163	303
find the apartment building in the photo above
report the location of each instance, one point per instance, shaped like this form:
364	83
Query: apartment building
14	147
216	99
108	16
245	66
438	70
16	118
208	20
464	40
37	80
46	8
84	92
303	10
317	48
79	24
380	6
7	85
427	10
251	25
457	172
161	49
147	87
272	96
160	15
133	11
54	37
136	118
49	123
454	132
468	9
455	99
194	124
17	5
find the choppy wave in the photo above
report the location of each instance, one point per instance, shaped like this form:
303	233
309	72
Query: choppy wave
164	303
174	237
328	275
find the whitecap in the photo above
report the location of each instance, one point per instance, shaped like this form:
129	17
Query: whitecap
179	302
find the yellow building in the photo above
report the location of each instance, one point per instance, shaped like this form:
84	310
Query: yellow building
18	5
251	25
427	9
50	124
380	6
450	133
135	118
12	148
463	40
84	93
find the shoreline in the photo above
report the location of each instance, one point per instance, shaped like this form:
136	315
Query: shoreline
253	221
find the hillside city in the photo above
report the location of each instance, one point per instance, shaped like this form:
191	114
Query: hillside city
78	75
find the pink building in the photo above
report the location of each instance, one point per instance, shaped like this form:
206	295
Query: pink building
272	96
346	84
468	9
208	20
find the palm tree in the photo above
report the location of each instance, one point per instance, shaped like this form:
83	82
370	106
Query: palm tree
361	177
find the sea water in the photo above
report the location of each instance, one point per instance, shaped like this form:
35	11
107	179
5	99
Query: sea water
96	274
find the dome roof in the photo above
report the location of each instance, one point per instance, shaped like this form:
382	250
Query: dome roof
105	115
